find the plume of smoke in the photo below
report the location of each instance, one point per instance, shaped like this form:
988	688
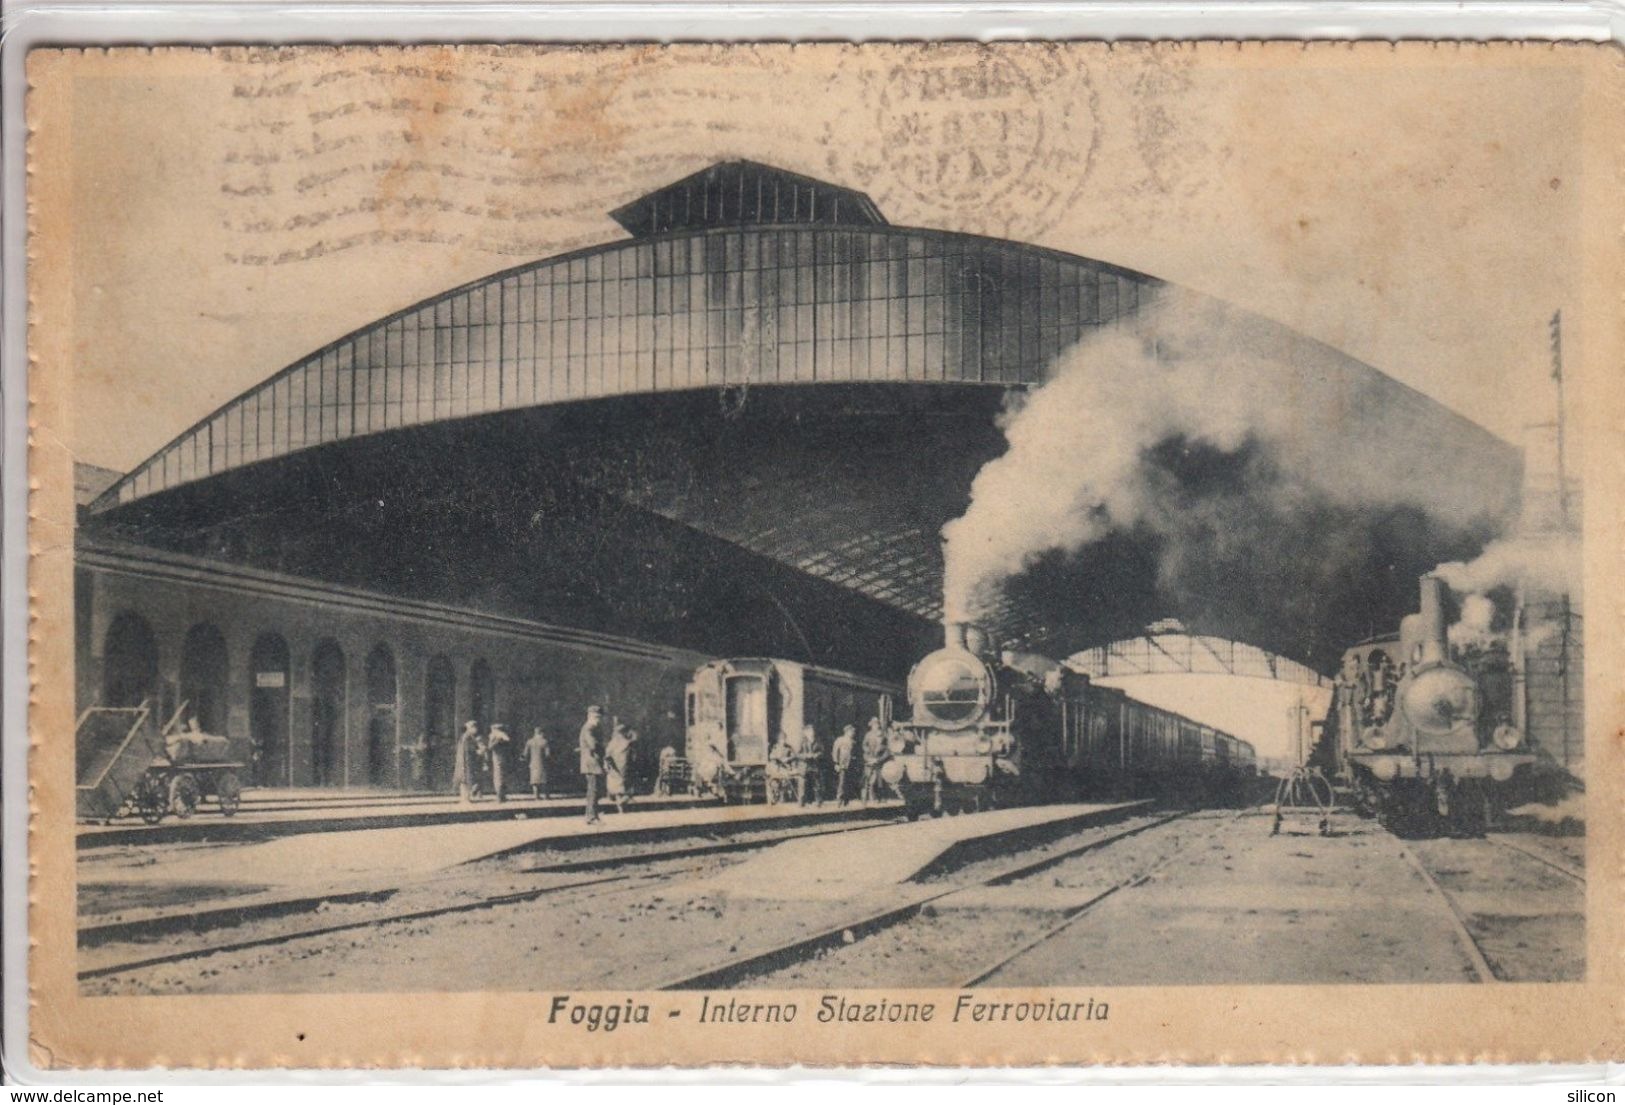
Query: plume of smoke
1545	563
1186	369
1548	563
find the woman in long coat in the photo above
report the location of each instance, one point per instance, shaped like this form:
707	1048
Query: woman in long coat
465	771
536	753
496	750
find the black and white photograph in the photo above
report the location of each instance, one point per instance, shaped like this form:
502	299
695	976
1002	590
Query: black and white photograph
821	553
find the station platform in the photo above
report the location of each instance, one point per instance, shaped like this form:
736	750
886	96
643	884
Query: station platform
833	867
268	813
117	881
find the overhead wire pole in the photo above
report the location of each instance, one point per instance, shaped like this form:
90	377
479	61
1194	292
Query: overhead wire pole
1562	459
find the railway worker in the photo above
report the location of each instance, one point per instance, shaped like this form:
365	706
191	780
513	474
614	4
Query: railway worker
668	767
810	758
841	755
464	773
496	749
617	762
592	764
874	754
536	754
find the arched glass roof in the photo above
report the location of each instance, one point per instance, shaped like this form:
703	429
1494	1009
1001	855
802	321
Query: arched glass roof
829	294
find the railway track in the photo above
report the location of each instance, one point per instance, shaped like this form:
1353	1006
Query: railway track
1479	930
767	961
112	933
1482	971
1072	916
1550	861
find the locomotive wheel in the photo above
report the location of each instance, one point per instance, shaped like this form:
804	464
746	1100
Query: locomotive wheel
229	793
150	799
184	795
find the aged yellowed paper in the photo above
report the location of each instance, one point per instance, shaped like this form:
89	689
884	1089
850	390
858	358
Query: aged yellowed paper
825	554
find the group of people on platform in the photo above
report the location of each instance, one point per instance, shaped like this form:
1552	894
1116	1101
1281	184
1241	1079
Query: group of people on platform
795	771
797	762
481	762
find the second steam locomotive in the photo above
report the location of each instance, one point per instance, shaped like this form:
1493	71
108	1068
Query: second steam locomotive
1427	739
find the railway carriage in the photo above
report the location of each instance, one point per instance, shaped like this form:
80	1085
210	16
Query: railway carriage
736	708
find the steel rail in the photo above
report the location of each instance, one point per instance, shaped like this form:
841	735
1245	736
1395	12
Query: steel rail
1550	861
1464	936
1071	915
343	926
230	916
227	916
752	964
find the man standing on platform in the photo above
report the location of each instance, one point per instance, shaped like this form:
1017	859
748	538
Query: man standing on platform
874	754
841	753
536	753
592	761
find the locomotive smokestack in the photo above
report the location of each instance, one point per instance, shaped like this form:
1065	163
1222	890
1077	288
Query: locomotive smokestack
953	634
1434	631
978	640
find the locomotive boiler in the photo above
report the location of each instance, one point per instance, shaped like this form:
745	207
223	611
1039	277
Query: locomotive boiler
1427	739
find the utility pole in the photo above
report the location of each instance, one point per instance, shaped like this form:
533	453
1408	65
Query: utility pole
1562	458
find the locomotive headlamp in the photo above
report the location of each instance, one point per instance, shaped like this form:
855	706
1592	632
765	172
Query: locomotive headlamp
1375	738
984	746
1507	737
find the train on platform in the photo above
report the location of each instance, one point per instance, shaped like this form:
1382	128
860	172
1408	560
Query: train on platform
990	728
985	729
1424	736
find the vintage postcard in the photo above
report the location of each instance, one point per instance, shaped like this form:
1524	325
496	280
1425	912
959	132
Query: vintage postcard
825	554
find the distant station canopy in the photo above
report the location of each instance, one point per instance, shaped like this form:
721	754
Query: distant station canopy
742	193
1167	648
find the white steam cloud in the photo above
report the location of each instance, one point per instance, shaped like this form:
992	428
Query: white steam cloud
1544	563
1549	563
1186	368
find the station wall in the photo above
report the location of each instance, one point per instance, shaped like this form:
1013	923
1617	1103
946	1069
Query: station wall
325	685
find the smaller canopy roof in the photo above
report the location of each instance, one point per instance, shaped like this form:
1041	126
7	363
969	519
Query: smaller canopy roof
741	193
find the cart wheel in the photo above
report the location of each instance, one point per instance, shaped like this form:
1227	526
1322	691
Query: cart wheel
229	793
150	798
184	795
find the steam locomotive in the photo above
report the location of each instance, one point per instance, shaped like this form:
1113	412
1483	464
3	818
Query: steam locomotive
1426	739
987	731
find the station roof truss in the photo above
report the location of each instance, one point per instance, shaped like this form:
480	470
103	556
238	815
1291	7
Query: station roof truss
1187	654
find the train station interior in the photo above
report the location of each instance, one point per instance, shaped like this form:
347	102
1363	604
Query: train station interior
736	428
